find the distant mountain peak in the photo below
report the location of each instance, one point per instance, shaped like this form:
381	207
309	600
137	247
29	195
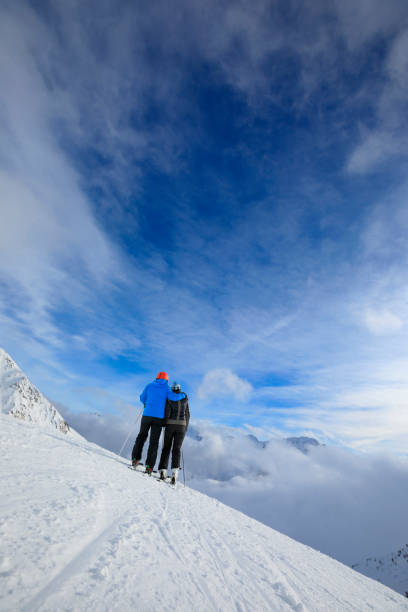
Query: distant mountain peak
20	398
302	443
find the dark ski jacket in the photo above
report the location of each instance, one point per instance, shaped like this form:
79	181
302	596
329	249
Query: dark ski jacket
177	409
154	398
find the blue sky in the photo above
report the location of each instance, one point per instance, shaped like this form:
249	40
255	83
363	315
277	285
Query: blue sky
217	190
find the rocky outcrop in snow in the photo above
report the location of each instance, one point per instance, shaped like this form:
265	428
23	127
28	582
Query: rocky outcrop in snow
19	397
390	569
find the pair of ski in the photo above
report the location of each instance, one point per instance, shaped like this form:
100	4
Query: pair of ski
141	468
170	481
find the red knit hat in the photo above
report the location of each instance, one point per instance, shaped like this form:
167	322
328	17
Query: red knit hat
162	375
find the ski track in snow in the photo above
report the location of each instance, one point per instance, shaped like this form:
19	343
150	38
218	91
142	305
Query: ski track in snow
79	531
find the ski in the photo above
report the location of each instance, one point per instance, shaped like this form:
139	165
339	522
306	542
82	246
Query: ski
167	481
137	468
142	470
156	475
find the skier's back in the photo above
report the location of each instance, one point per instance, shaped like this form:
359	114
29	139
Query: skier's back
177	419
153	397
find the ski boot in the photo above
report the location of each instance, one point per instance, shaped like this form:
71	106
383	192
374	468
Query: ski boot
163	474
148	470
135	463
174	475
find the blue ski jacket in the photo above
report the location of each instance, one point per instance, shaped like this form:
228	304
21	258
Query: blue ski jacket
175	397
154	398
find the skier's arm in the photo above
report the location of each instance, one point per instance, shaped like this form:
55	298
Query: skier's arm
187	415
167	410
143	396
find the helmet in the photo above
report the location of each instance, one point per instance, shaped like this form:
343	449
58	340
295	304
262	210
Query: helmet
162	375
176	387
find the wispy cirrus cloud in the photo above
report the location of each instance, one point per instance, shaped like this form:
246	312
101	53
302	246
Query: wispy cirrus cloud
48	229
386	137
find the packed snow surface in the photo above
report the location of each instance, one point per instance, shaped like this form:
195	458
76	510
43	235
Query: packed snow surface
80	531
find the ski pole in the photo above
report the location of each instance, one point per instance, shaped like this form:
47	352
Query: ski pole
129	434
184	472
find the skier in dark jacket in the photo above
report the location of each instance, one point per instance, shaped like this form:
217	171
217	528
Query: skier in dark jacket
153	398
177	419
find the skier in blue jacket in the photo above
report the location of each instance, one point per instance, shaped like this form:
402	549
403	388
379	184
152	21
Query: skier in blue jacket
153	398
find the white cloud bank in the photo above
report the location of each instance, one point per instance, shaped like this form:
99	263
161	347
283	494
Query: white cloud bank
345	504
222	381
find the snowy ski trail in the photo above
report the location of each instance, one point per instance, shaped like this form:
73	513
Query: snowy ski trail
79	531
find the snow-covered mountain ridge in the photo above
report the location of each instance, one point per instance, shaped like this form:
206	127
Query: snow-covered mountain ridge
19	397
302	443
390	569
80	531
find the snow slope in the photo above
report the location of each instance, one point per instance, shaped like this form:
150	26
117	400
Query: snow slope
19	397
80	531
390	569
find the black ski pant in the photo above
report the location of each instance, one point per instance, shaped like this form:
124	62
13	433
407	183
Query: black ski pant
173	435
155	425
